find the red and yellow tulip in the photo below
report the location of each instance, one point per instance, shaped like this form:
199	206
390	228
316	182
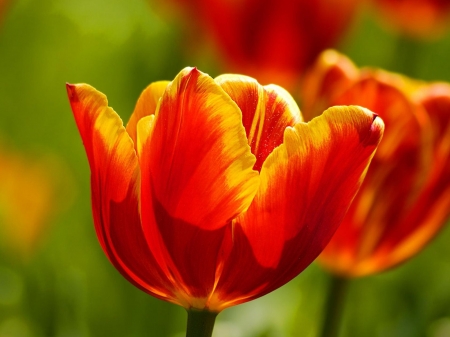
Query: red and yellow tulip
416	18
216	192
405	198
272	40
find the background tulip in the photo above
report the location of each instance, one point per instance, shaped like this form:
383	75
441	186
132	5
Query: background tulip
274	41
404	199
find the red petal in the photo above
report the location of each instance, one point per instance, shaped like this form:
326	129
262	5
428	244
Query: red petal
266	112
307	184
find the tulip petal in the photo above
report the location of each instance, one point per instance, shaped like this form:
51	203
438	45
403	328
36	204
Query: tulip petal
331	75
196	176
144	130
312	160
266	112
115	186
307	184
146	105
198	160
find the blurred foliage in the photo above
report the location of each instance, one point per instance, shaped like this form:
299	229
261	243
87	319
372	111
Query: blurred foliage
68	288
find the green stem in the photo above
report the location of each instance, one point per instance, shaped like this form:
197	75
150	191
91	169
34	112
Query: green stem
334	306
200	323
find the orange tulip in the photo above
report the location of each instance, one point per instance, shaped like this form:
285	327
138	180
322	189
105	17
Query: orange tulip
273	40
416	18
216	193
405	198
29	198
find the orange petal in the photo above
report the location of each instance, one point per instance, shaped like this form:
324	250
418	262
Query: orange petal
435	98
266	112
146	105
307	184
196	176
325	161
115	187
197	160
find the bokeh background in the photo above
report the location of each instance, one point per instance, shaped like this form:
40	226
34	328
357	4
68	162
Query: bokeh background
55	279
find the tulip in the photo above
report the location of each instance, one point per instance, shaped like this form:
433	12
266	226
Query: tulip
415	18
405	198
216	192
30	197
272	40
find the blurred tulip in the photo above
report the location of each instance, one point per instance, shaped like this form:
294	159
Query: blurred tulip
415	18
216	193
272	40
3	7
405	198
29	198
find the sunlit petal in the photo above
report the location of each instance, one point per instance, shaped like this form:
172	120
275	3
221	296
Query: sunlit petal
197	163
266	112
146	105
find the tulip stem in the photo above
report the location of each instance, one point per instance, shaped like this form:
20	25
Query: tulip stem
200	323
334	306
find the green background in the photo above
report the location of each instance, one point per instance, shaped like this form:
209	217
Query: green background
68	288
